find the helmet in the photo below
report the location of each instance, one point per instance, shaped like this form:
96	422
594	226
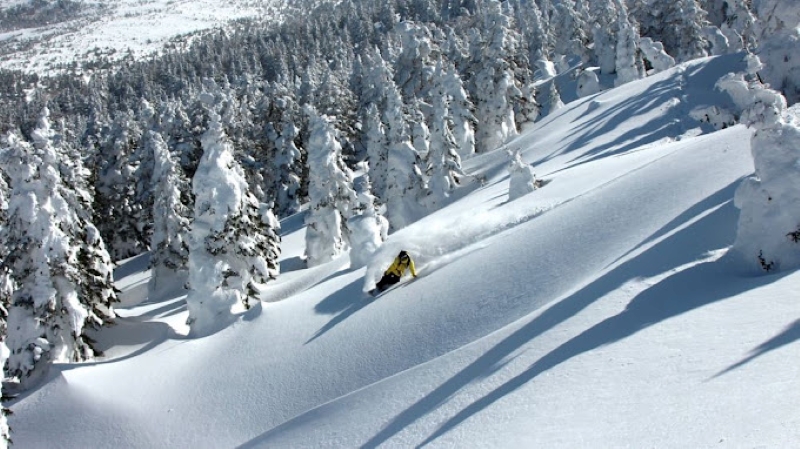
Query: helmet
403	255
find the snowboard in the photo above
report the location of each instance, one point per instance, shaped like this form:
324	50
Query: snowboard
374	293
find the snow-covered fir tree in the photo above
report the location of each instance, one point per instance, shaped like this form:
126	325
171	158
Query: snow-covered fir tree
768	232
405	185
6	289
444	162
171	219
287	165
5	431
779	46
604	15
63	284
231	249
115	206
494	80
522	179
420	132
330	192
414	65
461	108
629	65
368	228
653	54
377	150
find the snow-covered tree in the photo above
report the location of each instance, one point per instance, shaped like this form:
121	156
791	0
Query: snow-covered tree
522	179
604	15
570	30
115	207
4	193
57	261
653	54
588	83
404	178
494	82
779	46
232	250
368	228
444	163
680	25
768	233
377	150
5	431
171	219
414	67
6	289
629	66
287	165
461	111
330	192
420	132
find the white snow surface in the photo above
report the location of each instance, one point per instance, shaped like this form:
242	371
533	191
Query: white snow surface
600	310
115	28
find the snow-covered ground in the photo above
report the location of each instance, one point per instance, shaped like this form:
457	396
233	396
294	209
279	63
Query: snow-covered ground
116	28
601	310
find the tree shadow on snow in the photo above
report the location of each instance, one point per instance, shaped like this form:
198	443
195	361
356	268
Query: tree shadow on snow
789	335
688	290
695	287
343	304
695	86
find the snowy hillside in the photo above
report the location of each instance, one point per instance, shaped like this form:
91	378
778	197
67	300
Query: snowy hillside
47	35
598	311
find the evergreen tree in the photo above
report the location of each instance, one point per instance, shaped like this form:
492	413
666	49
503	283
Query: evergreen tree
629	65
377	151
464	122
768	231
494	84
367	227
443	159
57	261
287	163
6	289
604	15
232	250
521	179
405	185
171	219
413	68
115	205
779	46
330	193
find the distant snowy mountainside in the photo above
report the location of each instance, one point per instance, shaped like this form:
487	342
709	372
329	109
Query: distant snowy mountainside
40	36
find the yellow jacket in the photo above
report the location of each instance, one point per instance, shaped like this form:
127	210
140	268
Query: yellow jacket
398	267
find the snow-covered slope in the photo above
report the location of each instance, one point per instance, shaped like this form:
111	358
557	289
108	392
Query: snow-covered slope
87	30
598	311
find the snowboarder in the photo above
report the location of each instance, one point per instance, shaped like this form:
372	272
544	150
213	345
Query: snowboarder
393	274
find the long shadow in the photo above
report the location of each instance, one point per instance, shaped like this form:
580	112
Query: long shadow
149	335
789	335
691	289
715	230
343	304
718	199
696	87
